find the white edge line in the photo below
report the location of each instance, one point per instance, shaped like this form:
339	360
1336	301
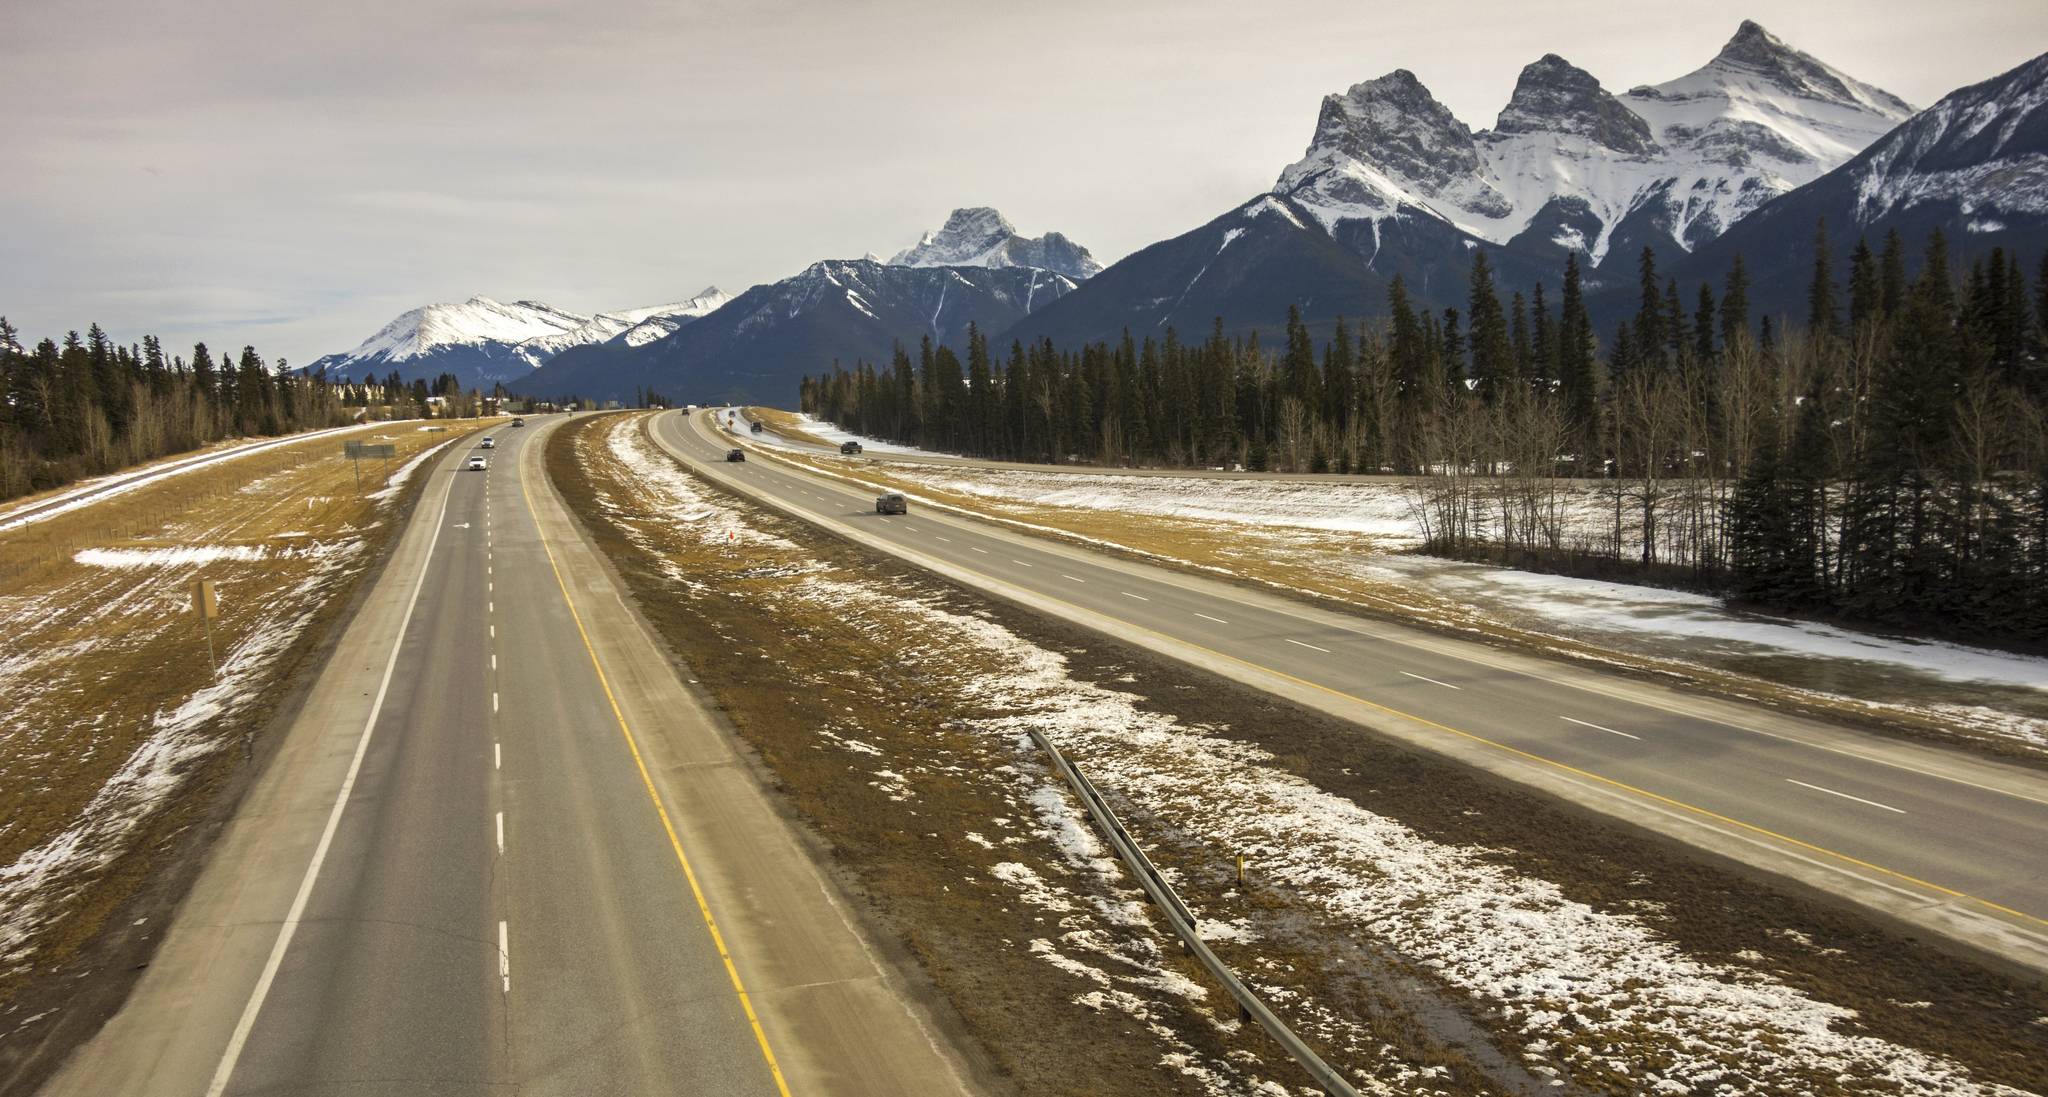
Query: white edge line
290	927
1846	796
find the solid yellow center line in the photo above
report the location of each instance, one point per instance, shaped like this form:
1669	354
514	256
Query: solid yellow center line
732	970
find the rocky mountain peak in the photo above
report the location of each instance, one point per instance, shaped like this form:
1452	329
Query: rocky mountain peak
979	236
1555	96
1757	53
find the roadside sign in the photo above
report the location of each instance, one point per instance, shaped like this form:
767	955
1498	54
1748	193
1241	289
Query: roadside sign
356	451
206	603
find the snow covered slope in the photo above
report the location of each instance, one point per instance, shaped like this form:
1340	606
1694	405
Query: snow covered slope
485	342
1569	165
978	236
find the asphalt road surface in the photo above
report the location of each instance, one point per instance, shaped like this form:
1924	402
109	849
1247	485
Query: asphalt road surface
503	850
1943	840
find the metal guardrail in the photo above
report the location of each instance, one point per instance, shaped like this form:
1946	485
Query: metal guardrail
1183	923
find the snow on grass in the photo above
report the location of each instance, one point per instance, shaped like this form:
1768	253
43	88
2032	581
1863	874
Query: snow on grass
1307	524
1598	996
403	473
107	487
1598	990
828	432
34	887
1352	508
1595	605
178	556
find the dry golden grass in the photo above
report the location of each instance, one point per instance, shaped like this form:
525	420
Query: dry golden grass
98	660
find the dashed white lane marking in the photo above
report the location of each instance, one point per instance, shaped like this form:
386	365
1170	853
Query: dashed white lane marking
1597	727
983	551
497	756
501	833
504	958
1139	597
1846	796
494	700
1075	578
909	527
490	607
1020	563
494	632
494	660
1311	647
1206	617
947	540
1432	681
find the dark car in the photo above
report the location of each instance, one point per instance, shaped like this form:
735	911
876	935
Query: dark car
849	448
756	428
518	422
735	455
892	503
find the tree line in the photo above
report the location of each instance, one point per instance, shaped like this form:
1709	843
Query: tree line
86	405
1884	460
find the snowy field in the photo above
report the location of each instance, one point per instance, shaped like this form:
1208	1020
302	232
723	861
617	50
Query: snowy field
1359	533
87	770
1590	993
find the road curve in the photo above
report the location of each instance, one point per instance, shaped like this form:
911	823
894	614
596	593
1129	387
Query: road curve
504	849
1944	841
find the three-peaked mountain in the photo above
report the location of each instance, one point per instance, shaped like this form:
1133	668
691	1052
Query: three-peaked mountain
1393	183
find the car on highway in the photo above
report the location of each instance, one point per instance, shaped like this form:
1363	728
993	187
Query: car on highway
477	464
756	427
849	448
735	455
488	443
892	503
518	422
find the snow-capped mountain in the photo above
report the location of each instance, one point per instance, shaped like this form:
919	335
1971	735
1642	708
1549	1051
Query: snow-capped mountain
637	327
978	236
762	343
1393	183
489	328
485	342
1569	165
1974	165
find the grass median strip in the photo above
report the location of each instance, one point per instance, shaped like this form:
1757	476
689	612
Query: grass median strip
1426	927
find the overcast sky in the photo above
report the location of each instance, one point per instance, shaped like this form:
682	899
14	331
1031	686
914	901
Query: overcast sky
294	174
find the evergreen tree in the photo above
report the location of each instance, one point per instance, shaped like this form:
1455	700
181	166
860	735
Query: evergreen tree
1821	312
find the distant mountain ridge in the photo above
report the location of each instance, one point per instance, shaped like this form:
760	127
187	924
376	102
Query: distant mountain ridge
761	344
486	342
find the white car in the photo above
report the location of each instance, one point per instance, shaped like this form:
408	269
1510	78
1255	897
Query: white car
477	464
488	443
